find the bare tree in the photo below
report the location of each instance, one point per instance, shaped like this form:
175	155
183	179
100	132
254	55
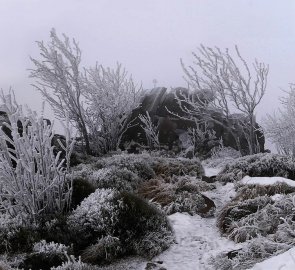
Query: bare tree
225	85
280	127
59	80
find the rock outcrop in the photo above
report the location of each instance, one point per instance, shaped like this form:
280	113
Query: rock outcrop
173	130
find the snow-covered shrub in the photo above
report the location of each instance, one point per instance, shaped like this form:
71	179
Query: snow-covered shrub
81	190
264	218
176	194
138	164
119	179
265	164
255	251
46	255
106	249
263	222
187	202
142	228
5	266
153	243
74	264
14	237
221	156
49	248
236	210
95	216
245	192
167	167
258	250
33	180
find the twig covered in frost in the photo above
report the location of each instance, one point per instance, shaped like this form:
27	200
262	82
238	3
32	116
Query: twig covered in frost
151	131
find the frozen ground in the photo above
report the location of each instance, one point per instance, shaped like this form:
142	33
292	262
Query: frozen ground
197	238
284	261
247	180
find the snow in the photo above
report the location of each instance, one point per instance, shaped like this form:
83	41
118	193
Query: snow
197	238
212	171
247	180
284	261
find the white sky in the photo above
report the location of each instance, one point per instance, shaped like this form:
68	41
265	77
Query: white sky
149	37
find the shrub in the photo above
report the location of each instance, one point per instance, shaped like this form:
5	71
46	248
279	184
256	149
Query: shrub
14	237
252	191
138	164
33	180
119	179
176	194
171	166
142	228
106	249
74	264
264	219
81	190
112	224
237	210
253	252
45	255
94	217
221	156
184	201
258	165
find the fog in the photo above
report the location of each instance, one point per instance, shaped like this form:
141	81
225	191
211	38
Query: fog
149	38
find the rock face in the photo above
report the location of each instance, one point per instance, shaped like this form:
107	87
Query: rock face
172	129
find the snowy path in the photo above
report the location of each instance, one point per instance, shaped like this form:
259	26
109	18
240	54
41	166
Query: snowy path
197	238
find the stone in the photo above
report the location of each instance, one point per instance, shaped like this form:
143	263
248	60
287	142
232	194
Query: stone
164	111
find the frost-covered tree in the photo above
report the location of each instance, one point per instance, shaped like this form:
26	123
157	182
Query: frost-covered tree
280	127
58	78
97	100
221	83
111	96
33	181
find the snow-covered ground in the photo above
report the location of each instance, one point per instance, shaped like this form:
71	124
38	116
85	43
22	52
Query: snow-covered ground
197	238
284	261
247	180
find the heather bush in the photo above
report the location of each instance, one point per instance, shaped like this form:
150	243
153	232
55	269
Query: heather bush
14	236
176	194
94	217
109	224
236	210
45	255
221	156
184	201
138	164
265	164
167	167
120	179
81	190
251	191
74	264
142	228
253	252
106	249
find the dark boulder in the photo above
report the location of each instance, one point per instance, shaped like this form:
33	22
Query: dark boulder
165	111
